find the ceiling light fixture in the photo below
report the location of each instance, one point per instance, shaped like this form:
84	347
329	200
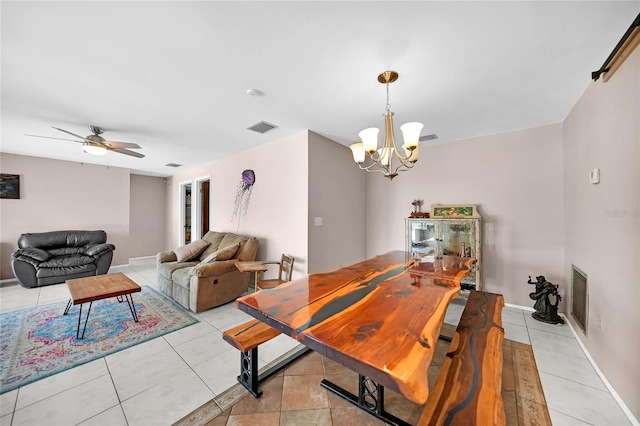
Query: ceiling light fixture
382	159
94	148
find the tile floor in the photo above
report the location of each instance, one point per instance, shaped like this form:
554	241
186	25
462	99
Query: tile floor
161	381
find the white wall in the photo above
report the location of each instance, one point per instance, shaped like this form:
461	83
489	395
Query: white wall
337	192
516	180
59	195
602	222
148	217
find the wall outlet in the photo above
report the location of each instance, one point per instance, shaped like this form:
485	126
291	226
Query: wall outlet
594	176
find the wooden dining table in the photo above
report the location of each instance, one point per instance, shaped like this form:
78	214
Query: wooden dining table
380	317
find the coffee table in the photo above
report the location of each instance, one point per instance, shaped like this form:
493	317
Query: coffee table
100	287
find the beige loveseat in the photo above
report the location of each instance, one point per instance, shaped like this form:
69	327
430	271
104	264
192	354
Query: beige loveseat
200	275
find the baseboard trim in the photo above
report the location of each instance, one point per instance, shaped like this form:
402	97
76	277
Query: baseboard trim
8	281
524	308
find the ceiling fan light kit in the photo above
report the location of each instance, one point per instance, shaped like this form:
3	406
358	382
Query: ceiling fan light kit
382	158
94	148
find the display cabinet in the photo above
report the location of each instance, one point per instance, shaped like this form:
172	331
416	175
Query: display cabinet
448	234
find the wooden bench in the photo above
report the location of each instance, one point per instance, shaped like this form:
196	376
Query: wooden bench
468	390
246	338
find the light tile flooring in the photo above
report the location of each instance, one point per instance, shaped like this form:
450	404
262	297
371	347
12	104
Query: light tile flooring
163	380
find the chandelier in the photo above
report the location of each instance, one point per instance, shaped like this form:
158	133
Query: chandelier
383	158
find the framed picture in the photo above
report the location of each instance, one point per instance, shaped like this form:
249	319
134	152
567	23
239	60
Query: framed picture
9	186
454	211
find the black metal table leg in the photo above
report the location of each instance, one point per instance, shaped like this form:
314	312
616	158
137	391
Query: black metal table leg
66	310
132	306
370	399
85	321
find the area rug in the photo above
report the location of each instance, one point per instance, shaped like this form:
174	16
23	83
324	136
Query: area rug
38	342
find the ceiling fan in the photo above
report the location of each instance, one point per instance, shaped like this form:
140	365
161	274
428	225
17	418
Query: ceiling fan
96	144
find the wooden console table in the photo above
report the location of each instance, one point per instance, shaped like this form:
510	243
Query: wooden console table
254	267
380	317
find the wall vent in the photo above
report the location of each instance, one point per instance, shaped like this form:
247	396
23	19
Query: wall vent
579	298
428	138
262	127
173	165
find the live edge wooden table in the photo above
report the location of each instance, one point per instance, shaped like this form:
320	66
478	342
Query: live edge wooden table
381	318
100	287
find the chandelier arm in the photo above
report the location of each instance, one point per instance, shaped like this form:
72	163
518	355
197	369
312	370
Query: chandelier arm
370	170
406	167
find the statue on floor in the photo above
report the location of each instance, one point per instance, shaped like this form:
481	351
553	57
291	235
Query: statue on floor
545	311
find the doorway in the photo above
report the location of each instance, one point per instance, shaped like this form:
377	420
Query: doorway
201	207
185	213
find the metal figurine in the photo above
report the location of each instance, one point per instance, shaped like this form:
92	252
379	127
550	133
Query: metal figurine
545	311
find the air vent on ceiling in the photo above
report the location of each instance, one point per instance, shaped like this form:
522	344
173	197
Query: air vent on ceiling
173	165
428	137
262	127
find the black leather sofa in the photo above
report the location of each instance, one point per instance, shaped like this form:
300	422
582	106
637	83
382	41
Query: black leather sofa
54	257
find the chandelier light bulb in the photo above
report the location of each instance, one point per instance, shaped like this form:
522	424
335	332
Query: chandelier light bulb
357	149
411	134
370	139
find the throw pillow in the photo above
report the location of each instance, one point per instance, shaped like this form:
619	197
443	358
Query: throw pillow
225	253
191	250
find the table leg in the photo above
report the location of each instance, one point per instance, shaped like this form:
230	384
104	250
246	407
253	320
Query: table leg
85	321
132	306
66	310
254	279
370	398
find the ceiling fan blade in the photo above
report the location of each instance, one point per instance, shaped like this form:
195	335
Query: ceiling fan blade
113	144
72	134
49	137
126	151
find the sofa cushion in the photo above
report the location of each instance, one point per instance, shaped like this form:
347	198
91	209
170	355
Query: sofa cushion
66	251
191	250
67	261
53	239
65	271
31	254
225	253
166	269
231	239
214	239
181	278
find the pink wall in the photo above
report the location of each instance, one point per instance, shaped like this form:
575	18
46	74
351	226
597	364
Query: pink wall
278	209
147	220
602	222
337	191
59	195
516	180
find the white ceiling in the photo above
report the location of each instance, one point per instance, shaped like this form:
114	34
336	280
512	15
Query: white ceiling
172	76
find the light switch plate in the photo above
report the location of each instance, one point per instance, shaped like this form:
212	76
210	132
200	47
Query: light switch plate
318	221
594	176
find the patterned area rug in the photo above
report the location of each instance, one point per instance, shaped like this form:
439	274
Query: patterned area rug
38	342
